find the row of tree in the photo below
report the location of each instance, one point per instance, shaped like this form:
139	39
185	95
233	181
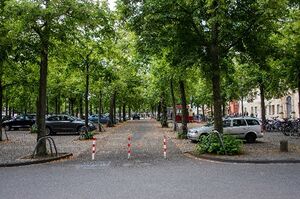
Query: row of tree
237	46
81	57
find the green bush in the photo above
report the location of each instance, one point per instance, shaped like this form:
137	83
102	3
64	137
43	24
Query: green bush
212	144
33	128
88	135
181	135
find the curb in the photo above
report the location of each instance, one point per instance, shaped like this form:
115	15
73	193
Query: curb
216	159
15	164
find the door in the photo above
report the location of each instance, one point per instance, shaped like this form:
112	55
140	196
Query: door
239	128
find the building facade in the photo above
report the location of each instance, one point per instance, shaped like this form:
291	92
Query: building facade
284	107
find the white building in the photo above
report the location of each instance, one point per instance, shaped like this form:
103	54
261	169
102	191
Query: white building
284	107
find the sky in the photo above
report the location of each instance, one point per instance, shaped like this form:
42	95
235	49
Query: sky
111	4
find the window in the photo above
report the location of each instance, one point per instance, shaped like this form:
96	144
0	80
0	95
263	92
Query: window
239	122
273	109
226	123
252	122
278	108
255	110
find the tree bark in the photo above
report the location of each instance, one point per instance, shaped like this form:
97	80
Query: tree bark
216	76
120	113
81	107
203	112
100	110
299	94
262	104
124	112
173	105
111	110
1	102
86	96
41	104
115	109
184	108
158	118
164	119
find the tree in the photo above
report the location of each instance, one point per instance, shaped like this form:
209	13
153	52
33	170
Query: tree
200	32
46	21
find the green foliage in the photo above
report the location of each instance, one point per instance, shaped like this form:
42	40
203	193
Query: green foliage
181	135
212	144
33	128
87	136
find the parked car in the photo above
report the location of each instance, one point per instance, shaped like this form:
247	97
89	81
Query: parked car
65	123
136	117
6	117
103	119
247	128
20	121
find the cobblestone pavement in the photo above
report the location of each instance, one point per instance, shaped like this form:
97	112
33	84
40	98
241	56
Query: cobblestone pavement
146	145
264	149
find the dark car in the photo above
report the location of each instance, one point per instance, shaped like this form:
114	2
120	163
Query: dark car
20	121
65	123
136	117
103	119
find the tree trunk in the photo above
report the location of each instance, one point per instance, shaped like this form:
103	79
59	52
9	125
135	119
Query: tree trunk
173	105
41	104
120	112
56	106
158	118
184	108
81	107
124	112
129	112
203	112
86	96
164	119
6	103
262	104
115	109
298	93
1	102
216	77
111	110
242	104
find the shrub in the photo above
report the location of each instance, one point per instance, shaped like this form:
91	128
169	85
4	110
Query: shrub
181	135
88	135
33	128
212	144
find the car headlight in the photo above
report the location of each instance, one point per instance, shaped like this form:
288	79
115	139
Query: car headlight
90	124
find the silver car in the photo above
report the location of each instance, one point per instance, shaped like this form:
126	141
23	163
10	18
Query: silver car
247	128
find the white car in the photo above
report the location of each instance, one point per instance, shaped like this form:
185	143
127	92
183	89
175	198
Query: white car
247	128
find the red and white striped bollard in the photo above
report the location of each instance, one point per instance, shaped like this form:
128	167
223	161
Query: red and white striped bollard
165	147
94	149
129	147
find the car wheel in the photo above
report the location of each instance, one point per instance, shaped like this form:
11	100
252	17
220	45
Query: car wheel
250	137
48	131
7	128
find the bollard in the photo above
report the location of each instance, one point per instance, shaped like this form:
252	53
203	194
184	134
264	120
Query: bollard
94	149
129	147
165	147
284	146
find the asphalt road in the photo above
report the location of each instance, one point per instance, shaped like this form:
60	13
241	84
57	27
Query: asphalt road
147	174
